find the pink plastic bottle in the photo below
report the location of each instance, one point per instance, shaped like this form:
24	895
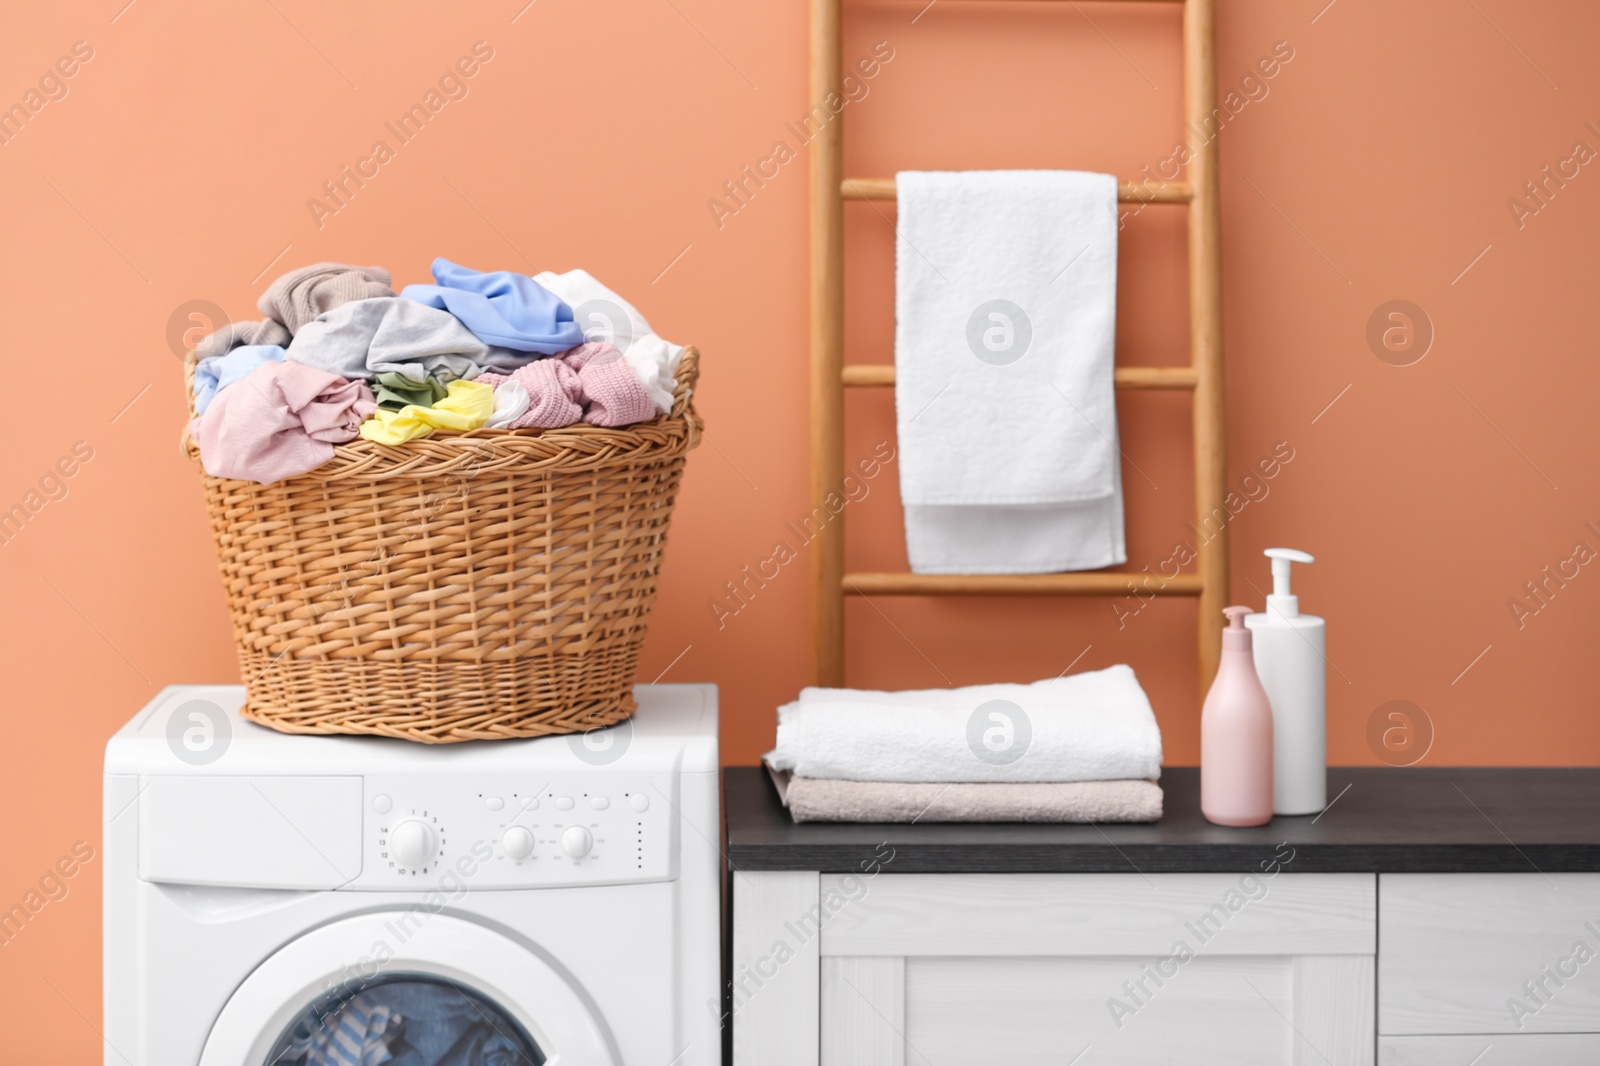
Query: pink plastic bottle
1236	735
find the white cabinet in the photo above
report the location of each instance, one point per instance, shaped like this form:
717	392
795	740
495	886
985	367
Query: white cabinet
1445	969
939	969
1336	958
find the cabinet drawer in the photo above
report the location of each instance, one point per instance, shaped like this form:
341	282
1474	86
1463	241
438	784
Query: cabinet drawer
1488	953
1100	914
1520	1050
1218	1010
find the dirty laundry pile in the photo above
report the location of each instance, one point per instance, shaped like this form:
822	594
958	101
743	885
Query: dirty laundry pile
341	355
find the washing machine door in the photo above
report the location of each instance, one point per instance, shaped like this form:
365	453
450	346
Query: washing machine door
406	989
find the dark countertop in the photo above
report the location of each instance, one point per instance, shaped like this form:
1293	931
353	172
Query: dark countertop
1382	820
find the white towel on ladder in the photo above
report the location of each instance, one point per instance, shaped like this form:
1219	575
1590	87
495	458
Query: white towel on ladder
1005	313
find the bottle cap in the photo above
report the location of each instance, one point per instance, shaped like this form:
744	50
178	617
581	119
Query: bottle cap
1236	637
1282	603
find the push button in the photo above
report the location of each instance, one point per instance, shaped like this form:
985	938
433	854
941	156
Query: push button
563	803
494	803
639	802
382	803
599	803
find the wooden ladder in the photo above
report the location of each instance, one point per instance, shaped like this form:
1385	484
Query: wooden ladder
830	376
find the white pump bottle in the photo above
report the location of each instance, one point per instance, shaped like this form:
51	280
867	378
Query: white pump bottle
1290	653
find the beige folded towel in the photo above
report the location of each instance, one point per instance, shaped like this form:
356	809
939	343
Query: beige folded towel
812	799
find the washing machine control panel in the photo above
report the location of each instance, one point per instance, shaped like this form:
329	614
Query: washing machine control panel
453	834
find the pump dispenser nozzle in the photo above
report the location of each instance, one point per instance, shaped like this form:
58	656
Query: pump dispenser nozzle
1282	602
1235	637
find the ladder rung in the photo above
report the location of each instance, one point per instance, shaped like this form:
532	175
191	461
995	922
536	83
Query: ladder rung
1129	192
863	375
1095	583
1151	1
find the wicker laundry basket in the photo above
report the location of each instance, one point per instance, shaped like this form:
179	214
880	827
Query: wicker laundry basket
474	586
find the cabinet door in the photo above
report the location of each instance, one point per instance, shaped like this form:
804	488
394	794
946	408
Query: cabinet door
1053	969
1489	953
1241	1010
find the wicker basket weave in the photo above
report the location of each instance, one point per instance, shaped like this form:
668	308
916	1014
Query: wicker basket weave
475	586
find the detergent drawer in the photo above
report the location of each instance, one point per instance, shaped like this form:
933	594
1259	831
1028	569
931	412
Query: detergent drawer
250	832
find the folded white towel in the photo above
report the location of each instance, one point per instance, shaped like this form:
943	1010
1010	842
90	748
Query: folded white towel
605	316
1095	726
1005	309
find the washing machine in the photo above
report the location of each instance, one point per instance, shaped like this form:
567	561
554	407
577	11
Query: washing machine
291	899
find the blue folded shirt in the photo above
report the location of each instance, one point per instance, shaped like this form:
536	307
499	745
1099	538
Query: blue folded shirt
501	308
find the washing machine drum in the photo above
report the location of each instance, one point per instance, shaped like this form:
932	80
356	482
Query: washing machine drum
405	1020
411	989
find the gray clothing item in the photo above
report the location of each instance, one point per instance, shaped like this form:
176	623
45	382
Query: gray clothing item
234	334
505	360
301	295
295	299
364	338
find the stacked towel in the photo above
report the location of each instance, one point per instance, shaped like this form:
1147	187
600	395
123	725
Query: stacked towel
811	799
856	755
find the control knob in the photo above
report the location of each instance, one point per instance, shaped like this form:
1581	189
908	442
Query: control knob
517	842
412	843
577	841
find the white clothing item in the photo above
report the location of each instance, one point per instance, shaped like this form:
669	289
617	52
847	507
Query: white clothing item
511	401
605	316
1005	314
1095	726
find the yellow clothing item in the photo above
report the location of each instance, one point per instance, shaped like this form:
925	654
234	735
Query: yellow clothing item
467	405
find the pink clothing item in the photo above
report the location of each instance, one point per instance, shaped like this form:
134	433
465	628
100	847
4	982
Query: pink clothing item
280	421
554	393
612	395
591	383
